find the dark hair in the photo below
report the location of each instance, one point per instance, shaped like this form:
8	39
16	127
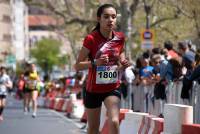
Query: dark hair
138	63
163	51
168	45
146	54
100	11
182	45
2	68
156	50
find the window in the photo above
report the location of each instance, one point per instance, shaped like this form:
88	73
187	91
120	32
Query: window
4	1
6	18
6	37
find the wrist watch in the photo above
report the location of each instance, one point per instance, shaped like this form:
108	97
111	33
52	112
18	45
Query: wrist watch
93	62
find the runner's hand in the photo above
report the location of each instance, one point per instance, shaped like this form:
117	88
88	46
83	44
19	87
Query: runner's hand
103	60
125	63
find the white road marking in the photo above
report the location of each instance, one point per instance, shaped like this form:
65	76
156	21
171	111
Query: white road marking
67	119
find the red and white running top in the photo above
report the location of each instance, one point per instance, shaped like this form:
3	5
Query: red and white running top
104	78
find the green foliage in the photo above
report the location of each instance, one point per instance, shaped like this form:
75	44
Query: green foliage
64	59
19	68
46	52
170	19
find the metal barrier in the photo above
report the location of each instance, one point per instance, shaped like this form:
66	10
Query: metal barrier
144	100
196	102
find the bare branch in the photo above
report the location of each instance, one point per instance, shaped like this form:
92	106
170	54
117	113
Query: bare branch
184	12
152	4
169	31
178	8
57	12
149	4
133	7
163	19
196	22
67	7
80	21
32	3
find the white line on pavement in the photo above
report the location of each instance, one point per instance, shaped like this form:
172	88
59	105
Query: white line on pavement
67	119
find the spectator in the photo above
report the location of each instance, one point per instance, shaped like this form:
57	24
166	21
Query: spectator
188	56
191	46
197	58
156	50
146	71
171	53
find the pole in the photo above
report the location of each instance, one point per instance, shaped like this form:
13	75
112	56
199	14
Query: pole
125	23
126	27
130	88
147	10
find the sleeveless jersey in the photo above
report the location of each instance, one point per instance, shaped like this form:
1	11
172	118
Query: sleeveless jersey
32	80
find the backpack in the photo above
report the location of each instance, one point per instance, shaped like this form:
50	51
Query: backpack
176	68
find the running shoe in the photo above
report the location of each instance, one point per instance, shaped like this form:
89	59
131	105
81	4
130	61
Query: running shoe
34	115
25	111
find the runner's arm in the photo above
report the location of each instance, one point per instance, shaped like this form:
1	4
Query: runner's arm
82	62
124	61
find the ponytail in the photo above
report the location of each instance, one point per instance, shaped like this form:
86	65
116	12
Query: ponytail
97	27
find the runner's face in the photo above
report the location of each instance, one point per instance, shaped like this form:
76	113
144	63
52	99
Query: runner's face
32	67
108	19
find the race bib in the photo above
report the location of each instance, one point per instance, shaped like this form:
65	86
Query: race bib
106	74
2	86
32	84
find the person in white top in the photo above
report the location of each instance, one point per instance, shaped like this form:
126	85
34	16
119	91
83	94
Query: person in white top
130	76
5	83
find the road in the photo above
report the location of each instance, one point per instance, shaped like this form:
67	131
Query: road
46	122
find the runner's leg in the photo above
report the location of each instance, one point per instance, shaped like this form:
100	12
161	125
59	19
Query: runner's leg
112	104
34	101
93	117
2	106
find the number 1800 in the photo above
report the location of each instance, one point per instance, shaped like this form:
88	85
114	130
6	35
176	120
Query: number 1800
107	74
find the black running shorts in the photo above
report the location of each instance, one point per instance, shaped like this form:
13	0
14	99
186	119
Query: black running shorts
2	96
94	100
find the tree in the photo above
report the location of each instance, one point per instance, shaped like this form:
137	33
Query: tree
170	19
191	10
77	16
46	52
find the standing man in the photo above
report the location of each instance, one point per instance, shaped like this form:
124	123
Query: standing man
5	83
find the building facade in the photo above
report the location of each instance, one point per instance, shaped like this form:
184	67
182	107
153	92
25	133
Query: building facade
5	32
14	32
20	29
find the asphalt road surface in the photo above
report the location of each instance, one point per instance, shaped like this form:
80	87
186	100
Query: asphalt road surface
46	122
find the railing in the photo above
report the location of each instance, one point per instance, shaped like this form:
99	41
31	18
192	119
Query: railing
143	99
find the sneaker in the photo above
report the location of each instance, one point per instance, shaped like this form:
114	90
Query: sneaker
28	109
25	111
161	116
84	126
34	115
